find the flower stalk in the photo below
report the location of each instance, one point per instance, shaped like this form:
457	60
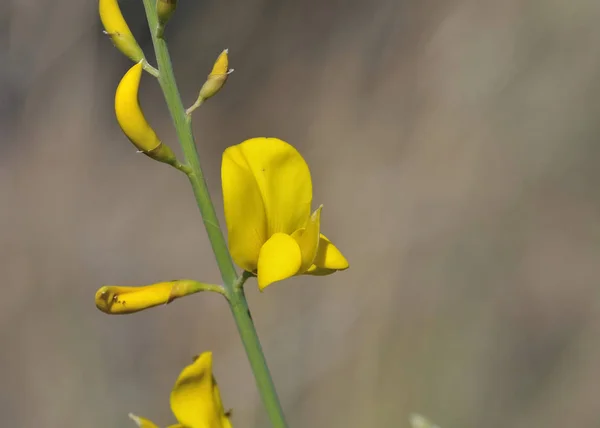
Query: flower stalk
232	283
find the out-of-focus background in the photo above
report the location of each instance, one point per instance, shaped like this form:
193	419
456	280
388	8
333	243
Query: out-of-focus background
453	143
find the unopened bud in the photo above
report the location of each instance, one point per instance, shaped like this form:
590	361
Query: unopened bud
133	122
117	300
118	30
164	10
217	77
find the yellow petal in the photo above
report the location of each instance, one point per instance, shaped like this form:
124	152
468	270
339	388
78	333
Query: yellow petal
280	258
225	421
142	422
282	178
221	65
308	240
118	30
195	399
244	210
114	299
329	257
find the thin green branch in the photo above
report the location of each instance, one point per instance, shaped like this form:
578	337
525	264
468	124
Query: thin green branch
183	168
193	107
232	282
197	286
146	66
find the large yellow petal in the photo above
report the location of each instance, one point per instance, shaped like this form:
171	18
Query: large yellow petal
244	209
308	240
328	258
195	401
280	258
283	179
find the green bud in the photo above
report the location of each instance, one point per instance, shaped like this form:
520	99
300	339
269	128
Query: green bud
164	10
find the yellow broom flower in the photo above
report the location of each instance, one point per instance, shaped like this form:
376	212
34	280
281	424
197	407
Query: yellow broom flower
195	399
267	193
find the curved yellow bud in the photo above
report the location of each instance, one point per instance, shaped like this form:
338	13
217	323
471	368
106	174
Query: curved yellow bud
118	30
118	300
132	120
217	77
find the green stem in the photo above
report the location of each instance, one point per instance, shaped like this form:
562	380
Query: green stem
193	107
232	283
146	66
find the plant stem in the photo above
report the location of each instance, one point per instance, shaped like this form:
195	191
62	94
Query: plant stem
232	283
146	66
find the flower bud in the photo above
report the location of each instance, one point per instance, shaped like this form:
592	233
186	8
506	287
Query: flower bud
117	300
164	10
132	120
217	77
118	30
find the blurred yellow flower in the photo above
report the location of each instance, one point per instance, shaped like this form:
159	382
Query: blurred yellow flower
195	399
267	193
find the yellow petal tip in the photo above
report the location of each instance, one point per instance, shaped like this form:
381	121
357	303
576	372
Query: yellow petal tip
279	258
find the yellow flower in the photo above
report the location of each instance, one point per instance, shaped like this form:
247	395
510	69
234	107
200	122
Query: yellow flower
118	30
267	193
195	399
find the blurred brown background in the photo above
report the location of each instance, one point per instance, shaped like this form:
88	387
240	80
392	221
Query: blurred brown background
454	144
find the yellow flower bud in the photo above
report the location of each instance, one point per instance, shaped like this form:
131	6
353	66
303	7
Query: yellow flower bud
117	300
217	77
164	10
132	120
118	30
